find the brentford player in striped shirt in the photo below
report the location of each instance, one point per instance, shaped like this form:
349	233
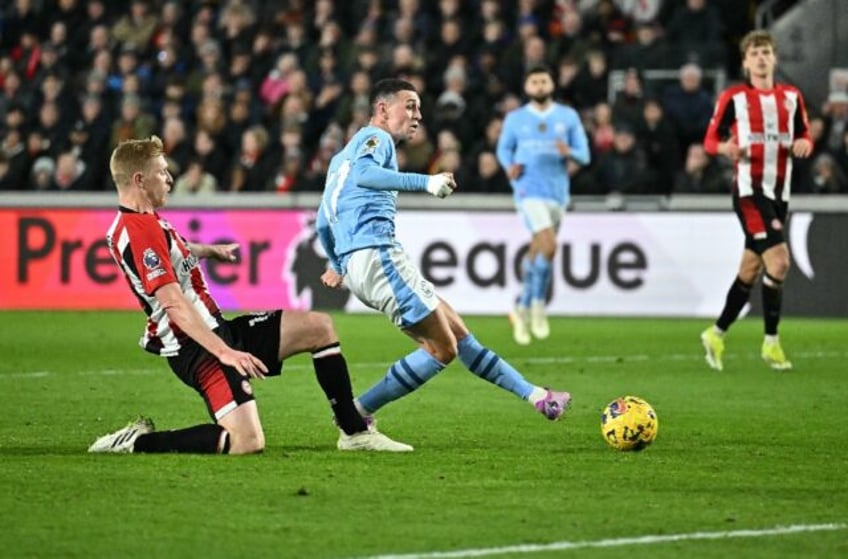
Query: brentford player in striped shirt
218	357
761	125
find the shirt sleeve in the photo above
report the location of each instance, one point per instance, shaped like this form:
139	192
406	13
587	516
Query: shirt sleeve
802	124
578	143
505	150
150	254
721	124
325	236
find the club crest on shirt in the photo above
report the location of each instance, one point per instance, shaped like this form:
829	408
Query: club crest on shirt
543	127
370	144
789	104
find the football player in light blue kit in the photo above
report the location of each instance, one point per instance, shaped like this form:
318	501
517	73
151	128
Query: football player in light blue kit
356	226
538	143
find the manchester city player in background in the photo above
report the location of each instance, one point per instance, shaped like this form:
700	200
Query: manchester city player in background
539	142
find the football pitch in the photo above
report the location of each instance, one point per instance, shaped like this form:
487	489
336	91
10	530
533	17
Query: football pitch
748	462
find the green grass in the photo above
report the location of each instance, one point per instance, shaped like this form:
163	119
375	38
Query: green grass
745	449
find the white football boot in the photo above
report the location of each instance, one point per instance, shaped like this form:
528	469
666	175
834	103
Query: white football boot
123	440
539	320
519	317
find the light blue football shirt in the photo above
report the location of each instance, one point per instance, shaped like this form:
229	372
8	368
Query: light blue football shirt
529	138
359	203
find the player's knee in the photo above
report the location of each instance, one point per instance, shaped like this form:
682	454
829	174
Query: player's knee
322	328
778	270
250	441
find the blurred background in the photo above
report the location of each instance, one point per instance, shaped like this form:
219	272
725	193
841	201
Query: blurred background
257	95
252	98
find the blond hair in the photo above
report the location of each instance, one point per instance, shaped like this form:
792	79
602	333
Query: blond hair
132	156
756	38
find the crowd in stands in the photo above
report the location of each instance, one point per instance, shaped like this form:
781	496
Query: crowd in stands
257	95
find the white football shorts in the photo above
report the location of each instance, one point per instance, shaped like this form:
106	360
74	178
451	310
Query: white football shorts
539	214
385	279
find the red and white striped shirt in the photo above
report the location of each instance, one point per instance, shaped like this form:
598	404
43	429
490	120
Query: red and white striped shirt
151	254
765	122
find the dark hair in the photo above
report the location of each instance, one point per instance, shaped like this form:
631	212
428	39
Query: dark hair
539	69
387	87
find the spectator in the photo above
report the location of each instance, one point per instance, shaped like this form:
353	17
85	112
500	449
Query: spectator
591	82
630	101
828	177
659	141
133	122
290	174
41	178
13	151
601	130
418	151
177	150
195	181
700	174
254	168
650	51
487	176
624	169
695	34
211	157
69	174
688	106
137	27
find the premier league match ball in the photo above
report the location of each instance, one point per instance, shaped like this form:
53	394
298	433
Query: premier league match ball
629	423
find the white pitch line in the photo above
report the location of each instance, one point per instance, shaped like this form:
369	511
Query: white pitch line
616	542
553	360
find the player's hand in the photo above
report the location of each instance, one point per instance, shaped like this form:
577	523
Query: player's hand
514	171
563	148
247	364
802	147
733	151
223	253
441	185
332	279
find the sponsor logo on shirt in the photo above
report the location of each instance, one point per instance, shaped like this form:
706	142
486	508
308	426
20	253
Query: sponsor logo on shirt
769	137
189	263
151	259
153	264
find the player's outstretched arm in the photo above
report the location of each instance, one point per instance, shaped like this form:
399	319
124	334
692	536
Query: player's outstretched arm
182	313
222	252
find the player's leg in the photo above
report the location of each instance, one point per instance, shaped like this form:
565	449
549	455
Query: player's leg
737	297
385	279
542	218
229	399
544	242
519	315
777	261
490	366
315	333
749	212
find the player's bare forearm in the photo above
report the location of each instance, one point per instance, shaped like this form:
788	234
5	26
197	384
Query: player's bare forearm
221	252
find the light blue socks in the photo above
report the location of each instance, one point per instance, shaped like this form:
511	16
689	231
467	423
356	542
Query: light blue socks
405	376
488	365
